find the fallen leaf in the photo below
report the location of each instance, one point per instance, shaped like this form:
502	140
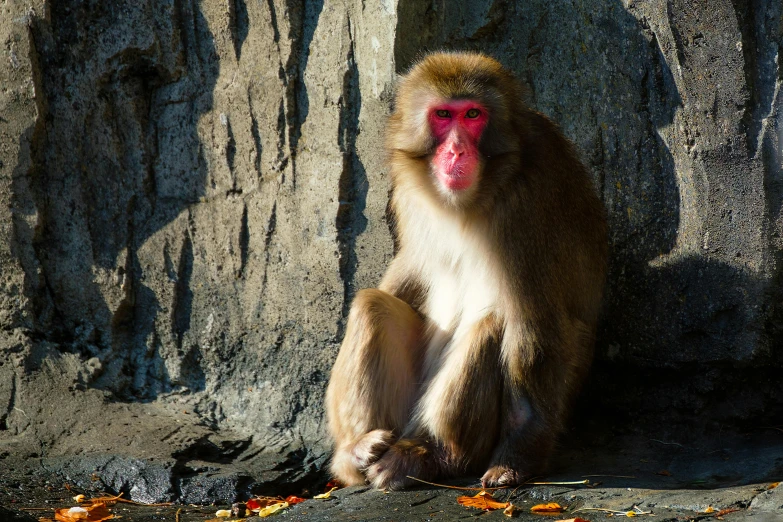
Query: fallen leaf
664	472
96	512
271	510
509	511
328	494
577	519
79	498
333	484
223	513
293	499
726	511
773	485
550	508
709	509
254	504
482	500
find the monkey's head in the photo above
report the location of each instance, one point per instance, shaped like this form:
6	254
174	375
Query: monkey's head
454	112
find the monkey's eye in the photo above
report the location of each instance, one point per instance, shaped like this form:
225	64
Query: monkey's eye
472	113
443	114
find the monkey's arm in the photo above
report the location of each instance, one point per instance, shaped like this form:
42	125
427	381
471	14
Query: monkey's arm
403	283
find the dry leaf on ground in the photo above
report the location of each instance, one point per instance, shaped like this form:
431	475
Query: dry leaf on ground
482	500
328	494
545	509
96	512
271	510
293	499
256	503
333	484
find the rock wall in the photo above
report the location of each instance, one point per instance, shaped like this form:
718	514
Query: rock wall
193	191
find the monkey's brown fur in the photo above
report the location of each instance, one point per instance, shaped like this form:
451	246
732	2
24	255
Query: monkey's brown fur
468	355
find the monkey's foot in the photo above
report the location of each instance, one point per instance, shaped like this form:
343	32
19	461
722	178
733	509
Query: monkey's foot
371	447
497	476
351	460
408	457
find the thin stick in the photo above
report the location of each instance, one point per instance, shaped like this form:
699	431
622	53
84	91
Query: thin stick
615	476
454	487
570	483
636	511
124	501
178	512
668	443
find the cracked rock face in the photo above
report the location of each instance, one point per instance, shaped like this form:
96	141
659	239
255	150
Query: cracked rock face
192	192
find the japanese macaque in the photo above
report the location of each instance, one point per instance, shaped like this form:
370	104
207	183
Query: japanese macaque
468	355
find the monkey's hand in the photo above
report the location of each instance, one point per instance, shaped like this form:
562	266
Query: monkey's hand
500	475
371	447
408	457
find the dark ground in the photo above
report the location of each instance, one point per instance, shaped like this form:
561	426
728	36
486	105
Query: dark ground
675	477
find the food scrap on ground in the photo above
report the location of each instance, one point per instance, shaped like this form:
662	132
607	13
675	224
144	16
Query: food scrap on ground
96	512
483	500
551	508
327	495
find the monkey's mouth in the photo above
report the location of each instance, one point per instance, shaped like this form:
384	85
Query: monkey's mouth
457	175
456	180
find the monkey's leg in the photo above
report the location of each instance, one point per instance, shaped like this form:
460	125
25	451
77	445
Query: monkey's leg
456	421
373	382
536	401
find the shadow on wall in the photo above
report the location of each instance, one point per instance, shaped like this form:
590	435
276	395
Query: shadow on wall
116	156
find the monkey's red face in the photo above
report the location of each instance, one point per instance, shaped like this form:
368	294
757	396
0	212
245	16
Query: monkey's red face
457	126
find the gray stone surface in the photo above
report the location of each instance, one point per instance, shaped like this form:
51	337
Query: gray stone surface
191	193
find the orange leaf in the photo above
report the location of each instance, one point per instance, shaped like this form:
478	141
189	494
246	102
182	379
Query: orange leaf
254	504
726	511
293	499
333	484
482	500
96	512
773	485
545	509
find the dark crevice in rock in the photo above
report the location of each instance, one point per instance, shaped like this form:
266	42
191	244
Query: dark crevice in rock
270	231
239	23
183	295
282	157
244	242
257	143
353	185
231	152
754	83
679	40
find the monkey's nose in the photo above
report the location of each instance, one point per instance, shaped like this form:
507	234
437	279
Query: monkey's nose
456	150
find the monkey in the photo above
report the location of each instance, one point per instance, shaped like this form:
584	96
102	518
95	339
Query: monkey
469	354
